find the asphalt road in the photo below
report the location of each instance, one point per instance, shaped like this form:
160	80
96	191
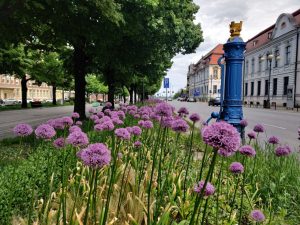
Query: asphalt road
8	119
281	123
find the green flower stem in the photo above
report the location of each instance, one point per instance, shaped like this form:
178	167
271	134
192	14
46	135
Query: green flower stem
237	181
95	197
189	155
200	195
152	173
204	212
218	189
242	190
202	162
121	190
89	197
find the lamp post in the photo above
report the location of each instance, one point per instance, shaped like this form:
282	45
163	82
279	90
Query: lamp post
269	58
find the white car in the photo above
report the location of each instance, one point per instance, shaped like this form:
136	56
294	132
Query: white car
10	101
29	100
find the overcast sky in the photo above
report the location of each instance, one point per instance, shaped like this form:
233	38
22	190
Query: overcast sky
215	17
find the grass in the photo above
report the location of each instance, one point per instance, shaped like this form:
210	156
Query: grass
18	107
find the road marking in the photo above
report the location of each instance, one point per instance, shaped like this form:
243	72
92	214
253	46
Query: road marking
283	128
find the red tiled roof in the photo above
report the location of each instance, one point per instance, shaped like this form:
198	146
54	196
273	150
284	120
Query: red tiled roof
263	37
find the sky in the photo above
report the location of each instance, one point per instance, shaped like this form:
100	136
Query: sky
215	17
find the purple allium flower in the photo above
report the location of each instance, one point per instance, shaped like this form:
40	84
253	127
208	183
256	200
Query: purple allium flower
167	121
45	131
75	115
209	189
77	139
222	136
117	121
100	114
67	121
257	215
283	151
122	133
195	117
51	122
108	125
247	150
136	131
251	135
136	116
236	168
145	117
273	140
108	104
92	111
94	117
95	156
59	143
120	155
137	144
129	129
163	109
59	124
244	123
22	130
154	116
78	123
147	124
183	111
107	111
121	114
258	128
180	125
74	128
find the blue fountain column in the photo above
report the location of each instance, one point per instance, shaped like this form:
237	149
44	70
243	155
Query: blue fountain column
232	107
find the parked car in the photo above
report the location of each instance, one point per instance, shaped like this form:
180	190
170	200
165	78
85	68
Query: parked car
191	99
1	102
29	100
214	101
10	101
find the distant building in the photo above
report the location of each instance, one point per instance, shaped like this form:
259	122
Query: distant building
10	88
204	77
277	45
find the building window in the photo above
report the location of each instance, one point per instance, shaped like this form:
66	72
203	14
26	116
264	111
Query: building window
252	89
215	73
258	87
247	67
269	35
285	85
266	87
214	89
283	25
276	57
17	81
259	63
275	86
252	66
287	54
246	89
254	43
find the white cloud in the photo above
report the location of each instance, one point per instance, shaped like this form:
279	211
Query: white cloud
215	17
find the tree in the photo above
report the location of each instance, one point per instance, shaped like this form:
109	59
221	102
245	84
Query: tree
94	86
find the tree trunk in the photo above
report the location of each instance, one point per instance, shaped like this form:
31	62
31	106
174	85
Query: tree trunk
80	64
109	74
135	94
130	89
54	95
24	92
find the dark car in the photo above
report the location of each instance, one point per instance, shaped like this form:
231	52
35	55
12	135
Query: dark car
214	101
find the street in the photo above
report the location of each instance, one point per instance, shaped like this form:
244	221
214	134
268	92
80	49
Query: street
281	123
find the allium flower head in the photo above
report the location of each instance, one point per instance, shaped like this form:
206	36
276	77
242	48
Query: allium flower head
94	117
183	111
136	116
22	130
78	123
122	133
117	121
167	121
257	215
236	168
45	131
74	128
247	150
180	125
108	104
251	135
67	121
92	110
258	128
136	131
137	144
222	136
163	109
107	111
75	115
147	124
195	117
209	189
273	140
58	124
77	139
145	117
121	114
244	123
59	143
95	156
100	114
283	151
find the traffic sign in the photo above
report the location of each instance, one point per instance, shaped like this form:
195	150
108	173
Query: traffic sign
166	82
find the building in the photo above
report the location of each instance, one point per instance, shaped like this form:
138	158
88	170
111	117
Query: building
204	77
271	66
10	88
